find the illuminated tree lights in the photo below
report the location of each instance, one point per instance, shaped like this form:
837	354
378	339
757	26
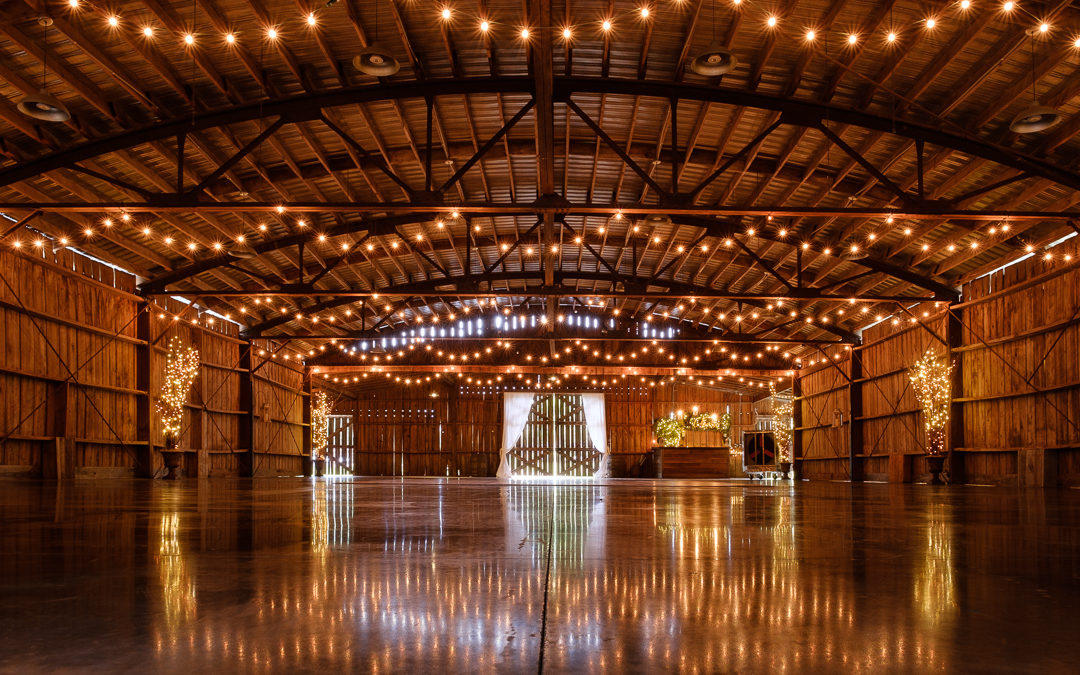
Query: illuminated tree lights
181	368
782	429
320	420
710	422
670	431
931	378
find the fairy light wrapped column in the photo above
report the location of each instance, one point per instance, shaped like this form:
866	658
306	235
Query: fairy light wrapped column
931	378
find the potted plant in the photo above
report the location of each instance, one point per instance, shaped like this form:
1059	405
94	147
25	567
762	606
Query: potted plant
931	378
181	368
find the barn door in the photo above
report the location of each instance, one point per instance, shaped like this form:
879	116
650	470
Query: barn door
555	441
340	444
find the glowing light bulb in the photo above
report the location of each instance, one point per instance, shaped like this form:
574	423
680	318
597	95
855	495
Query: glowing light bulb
147	31
271	33
965	4
445	13
113	21
484	26
230	38
189	39
311	20
810	35
524	33
644	12
566	33
891	37
771	22
1044	27
1008	6
852	39
606	25
930	23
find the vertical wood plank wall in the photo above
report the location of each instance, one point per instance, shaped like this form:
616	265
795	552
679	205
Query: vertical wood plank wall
1015	339
458	431
68	392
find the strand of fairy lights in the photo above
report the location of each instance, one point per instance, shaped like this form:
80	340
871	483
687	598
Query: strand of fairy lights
1000	229
448	14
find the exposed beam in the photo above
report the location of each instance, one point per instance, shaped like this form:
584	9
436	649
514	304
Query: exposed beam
309	106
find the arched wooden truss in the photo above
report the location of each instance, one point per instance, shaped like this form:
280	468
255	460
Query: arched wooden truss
378	197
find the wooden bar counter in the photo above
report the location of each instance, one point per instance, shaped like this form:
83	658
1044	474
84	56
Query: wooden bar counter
692	462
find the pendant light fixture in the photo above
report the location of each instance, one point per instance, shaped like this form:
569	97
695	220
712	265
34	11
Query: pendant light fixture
656	220
1038	117
716	60
376	59
43	106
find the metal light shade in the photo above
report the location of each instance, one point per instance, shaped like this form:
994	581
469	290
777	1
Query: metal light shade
242	253
1035	119
715	60
42	106
376	60
656	220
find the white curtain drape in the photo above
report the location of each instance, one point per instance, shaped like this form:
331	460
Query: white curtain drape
593	405
516	407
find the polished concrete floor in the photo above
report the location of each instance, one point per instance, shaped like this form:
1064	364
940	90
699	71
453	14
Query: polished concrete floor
427	575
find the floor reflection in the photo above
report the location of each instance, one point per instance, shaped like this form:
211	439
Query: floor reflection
388	575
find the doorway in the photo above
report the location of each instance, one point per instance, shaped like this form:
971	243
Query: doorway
555	441
340	445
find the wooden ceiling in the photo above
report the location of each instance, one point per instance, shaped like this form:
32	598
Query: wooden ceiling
314	185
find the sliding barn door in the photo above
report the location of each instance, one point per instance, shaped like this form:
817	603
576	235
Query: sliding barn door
340	444
555	441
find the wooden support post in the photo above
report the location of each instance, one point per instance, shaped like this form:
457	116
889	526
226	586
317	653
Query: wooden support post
147	462
356	436
305	406
796	417
58	458
246	402
198	427
855	427
1036	467
954	437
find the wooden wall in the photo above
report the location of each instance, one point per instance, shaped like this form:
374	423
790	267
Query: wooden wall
458	431
1015	339
71	403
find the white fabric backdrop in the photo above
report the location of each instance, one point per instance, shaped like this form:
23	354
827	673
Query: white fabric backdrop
593	404
516	407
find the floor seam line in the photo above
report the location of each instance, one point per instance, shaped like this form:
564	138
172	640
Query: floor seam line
547	586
